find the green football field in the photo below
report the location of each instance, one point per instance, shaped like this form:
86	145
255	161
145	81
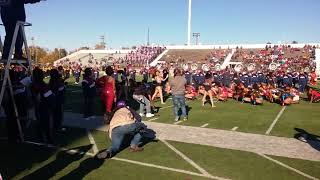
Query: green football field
158	161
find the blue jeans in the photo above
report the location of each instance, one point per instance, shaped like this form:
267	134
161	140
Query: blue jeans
179	102
119	133
144	103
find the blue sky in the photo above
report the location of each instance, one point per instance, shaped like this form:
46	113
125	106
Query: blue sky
74	23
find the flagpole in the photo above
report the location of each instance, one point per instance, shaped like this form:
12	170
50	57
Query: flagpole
189	23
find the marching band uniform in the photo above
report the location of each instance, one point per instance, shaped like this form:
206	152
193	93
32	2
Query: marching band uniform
133	75
116	76
286	80
303	80
188	77
254	79
145	75
89	92
44	107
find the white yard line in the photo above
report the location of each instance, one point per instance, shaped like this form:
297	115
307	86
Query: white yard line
177	122
167	168
205	125
93	142
186	158
275	120
132	162
153	119
234	129
289	167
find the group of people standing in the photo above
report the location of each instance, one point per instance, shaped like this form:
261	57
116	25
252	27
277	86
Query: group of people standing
35	100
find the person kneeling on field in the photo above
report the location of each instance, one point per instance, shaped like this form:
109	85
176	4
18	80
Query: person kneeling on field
124	123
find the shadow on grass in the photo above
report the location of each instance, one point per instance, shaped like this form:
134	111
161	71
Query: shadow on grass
63	159
84	168
20	157
311	139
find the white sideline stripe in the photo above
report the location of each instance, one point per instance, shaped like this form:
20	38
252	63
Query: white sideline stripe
92	141
234	129
186	158
167	168
205	125
166	107
288	167
276	120
153	119
132	162
178	122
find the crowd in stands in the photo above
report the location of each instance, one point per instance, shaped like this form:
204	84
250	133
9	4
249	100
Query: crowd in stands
284	56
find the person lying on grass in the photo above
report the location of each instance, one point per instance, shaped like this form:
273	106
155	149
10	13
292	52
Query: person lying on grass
125	123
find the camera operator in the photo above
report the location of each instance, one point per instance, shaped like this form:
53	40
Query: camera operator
10	15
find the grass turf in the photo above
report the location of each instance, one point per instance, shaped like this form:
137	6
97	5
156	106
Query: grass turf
227	115
27	161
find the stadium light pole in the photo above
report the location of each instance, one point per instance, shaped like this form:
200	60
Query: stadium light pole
189	23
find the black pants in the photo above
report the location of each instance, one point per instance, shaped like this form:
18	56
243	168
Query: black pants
88	106
10	28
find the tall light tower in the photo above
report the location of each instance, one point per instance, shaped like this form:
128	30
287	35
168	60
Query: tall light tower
189	23
103	44
196	35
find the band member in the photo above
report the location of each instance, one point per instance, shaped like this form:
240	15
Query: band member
145	75
108	94
313	95
313	78
302	82
56	85
89	93
287	82
188	77
133	75
44	101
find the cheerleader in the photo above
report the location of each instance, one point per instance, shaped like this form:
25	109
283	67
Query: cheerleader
207	90
158	91
89	93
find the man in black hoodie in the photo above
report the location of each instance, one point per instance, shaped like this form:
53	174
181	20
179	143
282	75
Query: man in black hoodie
10	15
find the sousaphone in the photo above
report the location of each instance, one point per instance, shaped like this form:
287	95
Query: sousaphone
205	67
251	67
194	67
307	69
185	67
217	67
273	66
238	67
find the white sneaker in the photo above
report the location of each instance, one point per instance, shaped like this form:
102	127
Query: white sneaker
149	115
87	119
141	114
92	117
